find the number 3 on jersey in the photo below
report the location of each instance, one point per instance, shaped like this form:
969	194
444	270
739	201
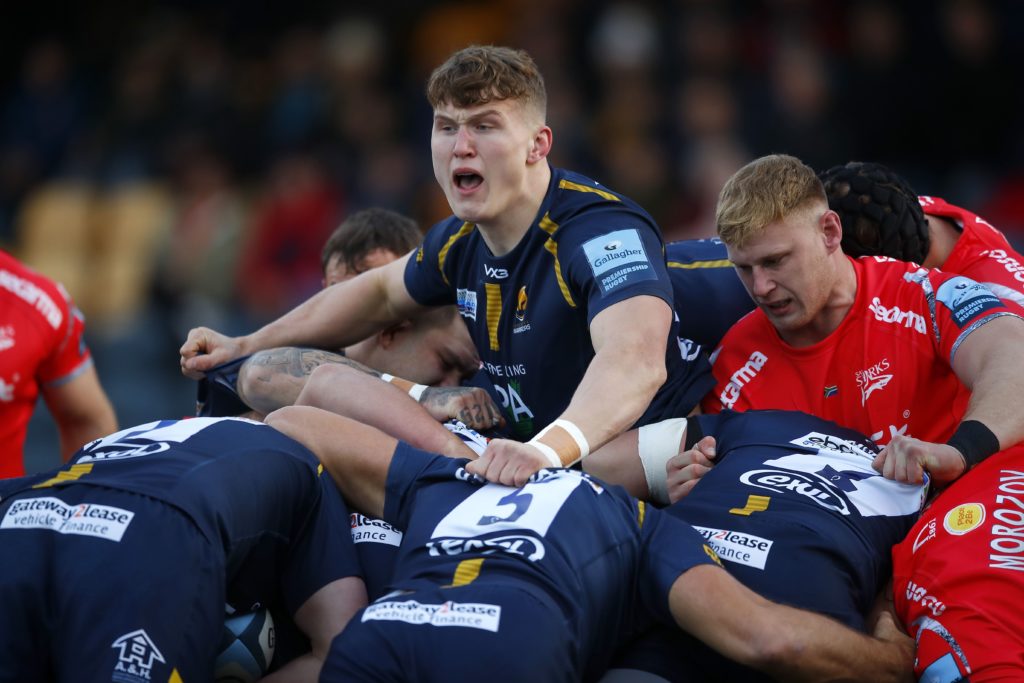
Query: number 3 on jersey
503	508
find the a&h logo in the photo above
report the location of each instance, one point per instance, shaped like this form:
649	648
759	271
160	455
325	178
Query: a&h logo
135	657
872	379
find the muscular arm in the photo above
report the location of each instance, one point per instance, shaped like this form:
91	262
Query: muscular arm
628	367
629	364
652	462
322	617
987	363
81	410
357	456
790	644
365	398
335	317
273	378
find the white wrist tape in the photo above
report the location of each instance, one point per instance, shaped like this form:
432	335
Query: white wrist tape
562	442
657	444
548	452
414	390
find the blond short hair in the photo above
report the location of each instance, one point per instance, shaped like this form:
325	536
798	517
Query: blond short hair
485	73
762	192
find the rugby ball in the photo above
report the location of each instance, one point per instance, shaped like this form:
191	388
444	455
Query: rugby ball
246	648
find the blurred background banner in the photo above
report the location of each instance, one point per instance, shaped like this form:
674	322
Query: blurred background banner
177	164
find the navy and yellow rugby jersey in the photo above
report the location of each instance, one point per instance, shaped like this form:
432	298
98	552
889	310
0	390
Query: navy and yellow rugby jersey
796	512
708	294
604	558
249	489
529	311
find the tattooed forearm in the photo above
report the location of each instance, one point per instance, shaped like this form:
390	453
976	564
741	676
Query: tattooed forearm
274	377
470	405
297	362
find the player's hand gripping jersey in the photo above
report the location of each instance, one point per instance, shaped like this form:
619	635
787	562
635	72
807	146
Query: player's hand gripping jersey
794	508
982	253
529	311
40	343
958	577
795	511
884	371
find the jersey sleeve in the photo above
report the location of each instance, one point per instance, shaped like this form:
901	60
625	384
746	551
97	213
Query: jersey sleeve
671	547
322	551
959	305
70	354
610	254
429	270
410	467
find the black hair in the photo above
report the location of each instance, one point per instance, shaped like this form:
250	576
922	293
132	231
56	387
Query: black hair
879	212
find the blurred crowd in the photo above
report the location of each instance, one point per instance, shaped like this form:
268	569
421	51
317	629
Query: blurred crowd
181	163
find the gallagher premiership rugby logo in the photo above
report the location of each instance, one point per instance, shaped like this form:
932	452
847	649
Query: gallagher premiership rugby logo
617	258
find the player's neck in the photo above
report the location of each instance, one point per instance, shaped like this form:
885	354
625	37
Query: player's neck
943	236
506	231
837	306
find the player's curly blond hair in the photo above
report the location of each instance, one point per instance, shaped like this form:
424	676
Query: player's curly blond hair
484	73
762	192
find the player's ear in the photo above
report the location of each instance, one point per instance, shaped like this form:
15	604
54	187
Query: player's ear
387	336
831	230
540	146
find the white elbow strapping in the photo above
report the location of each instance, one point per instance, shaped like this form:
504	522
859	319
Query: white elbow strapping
656	444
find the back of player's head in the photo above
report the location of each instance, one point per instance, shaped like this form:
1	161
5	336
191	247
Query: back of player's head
366	231
764	191
879	212
485	73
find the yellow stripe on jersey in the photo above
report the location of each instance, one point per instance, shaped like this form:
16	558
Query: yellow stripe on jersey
569	185
441	255
641	513
754	504
75	472
175	677
710	552
466	572
549	226
719	263
493	312
319	469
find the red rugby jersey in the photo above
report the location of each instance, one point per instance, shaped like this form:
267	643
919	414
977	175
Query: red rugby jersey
40	344
958	576
982	253
884	371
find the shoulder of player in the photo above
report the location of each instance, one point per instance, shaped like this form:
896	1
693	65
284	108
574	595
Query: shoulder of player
578	198
44	301
698	253
444	240
443	231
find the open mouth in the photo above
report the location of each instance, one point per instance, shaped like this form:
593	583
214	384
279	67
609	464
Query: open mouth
776	306
468	181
